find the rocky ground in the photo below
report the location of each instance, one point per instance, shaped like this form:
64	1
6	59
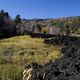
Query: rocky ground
68	66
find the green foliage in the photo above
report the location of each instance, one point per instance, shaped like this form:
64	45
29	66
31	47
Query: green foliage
17	20
6	24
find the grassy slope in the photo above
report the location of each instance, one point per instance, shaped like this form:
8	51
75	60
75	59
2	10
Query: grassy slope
16	51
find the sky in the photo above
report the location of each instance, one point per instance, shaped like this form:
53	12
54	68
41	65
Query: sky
30	9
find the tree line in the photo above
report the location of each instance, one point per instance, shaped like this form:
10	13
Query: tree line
8	26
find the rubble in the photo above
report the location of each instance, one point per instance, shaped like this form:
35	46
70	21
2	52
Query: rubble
68	66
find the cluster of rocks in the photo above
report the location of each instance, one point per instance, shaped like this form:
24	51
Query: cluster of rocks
65	40
68	66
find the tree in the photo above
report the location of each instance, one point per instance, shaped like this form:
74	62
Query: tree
1	15
67	29
39	27
7	16
44	30
17	20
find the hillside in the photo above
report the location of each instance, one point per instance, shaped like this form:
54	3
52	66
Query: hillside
15	52
18	26
17	48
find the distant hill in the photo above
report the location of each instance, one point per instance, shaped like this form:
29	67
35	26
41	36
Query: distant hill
62	26
66	24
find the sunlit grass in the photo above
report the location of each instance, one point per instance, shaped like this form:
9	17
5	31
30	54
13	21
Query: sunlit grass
10	72
25	48
16	51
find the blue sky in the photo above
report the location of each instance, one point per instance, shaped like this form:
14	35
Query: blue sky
41	8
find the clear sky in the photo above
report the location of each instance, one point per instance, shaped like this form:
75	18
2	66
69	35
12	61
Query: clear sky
41	8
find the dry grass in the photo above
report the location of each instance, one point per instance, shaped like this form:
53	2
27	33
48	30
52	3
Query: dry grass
16	51
25	48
